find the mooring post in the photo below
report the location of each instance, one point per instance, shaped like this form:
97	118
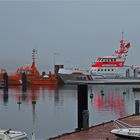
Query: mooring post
137	104
5	89
5	79
83	113
24	82
5	96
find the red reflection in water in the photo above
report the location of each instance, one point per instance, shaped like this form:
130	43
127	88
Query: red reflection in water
110	102
29	97
32	93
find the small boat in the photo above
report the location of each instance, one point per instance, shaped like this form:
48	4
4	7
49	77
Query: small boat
124	130
12	135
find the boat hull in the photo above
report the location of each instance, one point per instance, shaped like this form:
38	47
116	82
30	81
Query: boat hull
42	82
127	137
16	79
75	79
129	133
14	82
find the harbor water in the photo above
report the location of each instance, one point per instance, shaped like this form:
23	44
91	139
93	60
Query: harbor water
50	111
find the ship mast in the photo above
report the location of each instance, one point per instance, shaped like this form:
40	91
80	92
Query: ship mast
122	46
122	35
34	51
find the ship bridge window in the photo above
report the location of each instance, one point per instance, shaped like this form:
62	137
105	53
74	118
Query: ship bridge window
105	69
101	69
98	69
113	59
105	60
108	69
112	69
101	59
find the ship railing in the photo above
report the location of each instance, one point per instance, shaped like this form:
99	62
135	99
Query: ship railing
104	77
77	69
127	77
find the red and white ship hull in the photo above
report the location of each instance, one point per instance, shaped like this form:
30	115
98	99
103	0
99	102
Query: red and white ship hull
77	77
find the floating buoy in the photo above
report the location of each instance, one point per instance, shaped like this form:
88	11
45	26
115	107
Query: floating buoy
124	93
19	102
91	95
33	102
102	92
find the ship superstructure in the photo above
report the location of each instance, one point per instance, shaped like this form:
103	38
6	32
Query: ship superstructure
114	65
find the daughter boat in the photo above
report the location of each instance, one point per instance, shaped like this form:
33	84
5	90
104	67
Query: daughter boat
125	130
12	135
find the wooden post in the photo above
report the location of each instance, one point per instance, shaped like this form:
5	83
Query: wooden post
5	96
82	106
24	82
5	78
137	104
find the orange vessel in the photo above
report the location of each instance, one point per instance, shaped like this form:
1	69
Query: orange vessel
32	74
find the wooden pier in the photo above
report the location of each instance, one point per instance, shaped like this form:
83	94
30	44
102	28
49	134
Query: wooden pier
98	132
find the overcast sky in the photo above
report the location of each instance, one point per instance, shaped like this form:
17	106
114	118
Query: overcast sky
77	32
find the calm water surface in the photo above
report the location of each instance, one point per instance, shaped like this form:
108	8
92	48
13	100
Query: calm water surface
51	111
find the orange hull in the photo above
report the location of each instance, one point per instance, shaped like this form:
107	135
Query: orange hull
42	81
50	80
14	79
35	81
13	82
1	77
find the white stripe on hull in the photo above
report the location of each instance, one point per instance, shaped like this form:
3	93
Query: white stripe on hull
72	79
